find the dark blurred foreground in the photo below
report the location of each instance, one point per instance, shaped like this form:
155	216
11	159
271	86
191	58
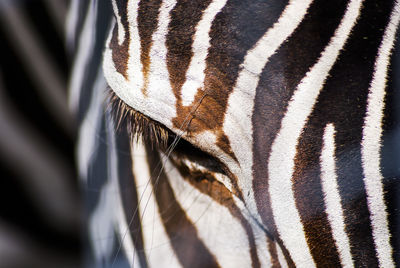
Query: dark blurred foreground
40	211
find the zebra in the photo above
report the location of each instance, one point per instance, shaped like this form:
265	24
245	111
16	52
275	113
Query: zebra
239	133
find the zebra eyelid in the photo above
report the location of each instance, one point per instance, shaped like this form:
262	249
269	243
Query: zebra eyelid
140	126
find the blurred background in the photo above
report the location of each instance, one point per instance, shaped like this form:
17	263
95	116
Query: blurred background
40	208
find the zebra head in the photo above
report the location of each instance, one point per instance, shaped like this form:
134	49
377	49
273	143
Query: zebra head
272	113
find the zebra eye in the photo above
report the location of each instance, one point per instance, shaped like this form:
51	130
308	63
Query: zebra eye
159	136
186	151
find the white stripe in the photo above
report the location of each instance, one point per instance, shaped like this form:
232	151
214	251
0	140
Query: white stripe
371	144
156	241
332	197
159	85
238	124
201	43
283	152
121	30
229	245
84	53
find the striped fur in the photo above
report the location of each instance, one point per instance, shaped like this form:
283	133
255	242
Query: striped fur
280	122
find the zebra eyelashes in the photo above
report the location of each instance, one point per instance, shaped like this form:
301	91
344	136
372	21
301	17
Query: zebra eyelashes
138	125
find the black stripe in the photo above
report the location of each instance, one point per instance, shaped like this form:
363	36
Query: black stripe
129	195
234	31
273	253
122	9
181	29
310	197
